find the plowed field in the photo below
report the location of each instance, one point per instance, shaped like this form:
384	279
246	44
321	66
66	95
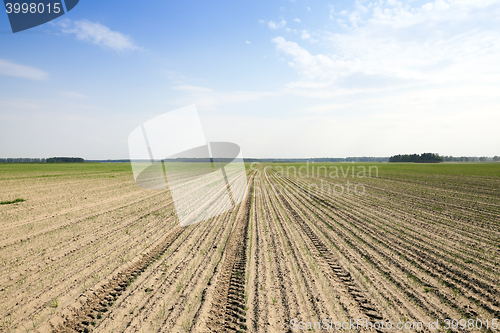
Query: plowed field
406	244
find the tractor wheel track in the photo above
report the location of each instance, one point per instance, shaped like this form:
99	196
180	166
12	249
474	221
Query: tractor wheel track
227	312
98	303
363	300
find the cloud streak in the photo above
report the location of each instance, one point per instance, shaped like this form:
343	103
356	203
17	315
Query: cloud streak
98	34
26	72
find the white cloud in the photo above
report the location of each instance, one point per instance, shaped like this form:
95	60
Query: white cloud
308	65
276	25
98	34
261	21
308	8
396	68
248	42
297	20
392	46
22	71
332	11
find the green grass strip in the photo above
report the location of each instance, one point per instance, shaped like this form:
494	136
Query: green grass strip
11	202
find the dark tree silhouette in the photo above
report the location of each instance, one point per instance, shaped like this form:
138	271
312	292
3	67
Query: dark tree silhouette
415	158
64	160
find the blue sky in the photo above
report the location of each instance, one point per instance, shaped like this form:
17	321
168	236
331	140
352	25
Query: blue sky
279	78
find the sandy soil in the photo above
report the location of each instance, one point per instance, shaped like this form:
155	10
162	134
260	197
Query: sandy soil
99	254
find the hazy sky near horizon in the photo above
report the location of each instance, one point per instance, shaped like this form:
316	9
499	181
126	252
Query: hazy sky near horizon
284	78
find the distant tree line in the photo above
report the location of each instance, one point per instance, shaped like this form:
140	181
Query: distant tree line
43	160
64	160
262	160
426	157
460	159
470	159
319	159
435	158
22	160
416	158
